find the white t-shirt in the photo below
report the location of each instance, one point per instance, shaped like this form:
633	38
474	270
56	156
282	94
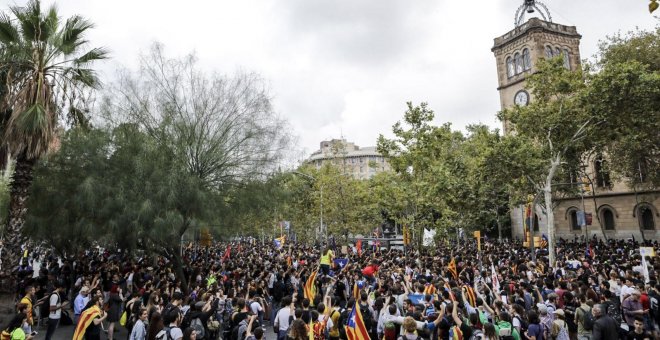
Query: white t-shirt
282	318
175	332
57	302
256	307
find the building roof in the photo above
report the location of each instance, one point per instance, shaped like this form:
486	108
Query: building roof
361	152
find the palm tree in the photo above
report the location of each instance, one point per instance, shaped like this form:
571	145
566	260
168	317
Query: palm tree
44	76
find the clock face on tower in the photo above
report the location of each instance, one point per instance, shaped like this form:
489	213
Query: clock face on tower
521	98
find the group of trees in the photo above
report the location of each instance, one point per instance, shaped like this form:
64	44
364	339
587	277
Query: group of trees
175	150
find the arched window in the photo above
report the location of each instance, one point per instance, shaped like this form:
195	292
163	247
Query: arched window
518	61
573	220
607	216
567	60
557	52
645	217
548	52
510	70
527	61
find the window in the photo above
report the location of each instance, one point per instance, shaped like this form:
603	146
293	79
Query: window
567	60
517	59
557	52
573	220
510	70
645	217
602	173
607	217
527	61
548	52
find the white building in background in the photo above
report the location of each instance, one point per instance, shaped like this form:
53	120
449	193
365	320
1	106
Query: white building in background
361	163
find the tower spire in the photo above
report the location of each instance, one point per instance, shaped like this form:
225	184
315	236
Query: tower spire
531	6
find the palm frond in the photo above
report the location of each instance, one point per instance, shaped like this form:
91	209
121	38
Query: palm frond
85	76
50	24
8	32
98	53
28	18
72	34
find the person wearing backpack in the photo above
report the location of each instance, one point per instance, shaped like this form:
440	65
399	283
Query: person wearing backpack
505	329
172	331
584	319
559	329
409	329
367	315
55	307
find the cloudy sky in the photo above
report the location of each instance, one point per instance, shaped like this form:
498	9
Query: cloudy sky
340	67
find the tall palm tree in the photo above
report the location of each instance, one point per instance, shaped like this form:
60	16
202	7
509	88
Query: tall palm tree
45	71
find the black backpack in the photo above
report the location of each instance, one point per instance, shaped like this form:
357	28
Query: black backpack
343	321
524	325
367	317
587	320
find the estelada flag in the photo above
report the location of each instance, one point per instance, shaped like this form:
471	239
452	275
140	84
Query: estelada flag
448	289
355	328
356	292
470	295
86	319
452	268
310	287
429	289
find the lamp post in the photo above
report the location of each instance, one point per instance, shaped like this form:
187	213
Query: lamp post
313	179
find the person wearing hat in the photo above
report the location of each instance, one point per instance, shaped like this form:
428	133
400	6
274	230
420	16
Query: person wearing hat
79	303
559	329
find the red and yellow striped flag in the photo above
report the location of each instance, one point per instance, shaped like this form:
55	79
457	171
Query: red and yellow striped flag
355	328
429	289
452	268
310	287
86	319
470	295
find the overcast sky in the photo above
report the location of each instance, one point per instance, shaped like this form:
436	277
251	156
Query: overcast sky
346	67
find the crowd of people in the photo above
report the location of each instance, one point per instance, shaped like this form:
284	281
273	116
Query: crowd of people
245	291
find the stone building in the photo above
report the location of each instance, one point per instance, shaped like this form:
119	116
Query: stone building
361	163
618	210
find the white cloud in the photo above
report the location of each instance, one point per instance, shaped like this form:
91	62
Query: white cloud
346	66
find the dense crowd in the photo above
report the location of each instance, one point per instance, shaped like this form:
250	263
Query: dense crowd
595	290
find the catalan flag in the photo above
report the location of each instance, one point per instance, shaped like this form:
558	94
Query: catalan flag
358	246
470	295
544	241
356	329
455	333
356	291
452	268
310	287
429	289
86	319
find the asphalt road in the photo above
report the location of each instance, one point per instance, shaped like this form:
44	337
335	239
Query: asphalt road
66	333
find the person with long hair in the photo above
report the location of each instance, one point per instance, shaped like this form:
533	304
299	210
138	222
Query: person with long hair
153	305
156	324
14	330
298	330
489	332
189	334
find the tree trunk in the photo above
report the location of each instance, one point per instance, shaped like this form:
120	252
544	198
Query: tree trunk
547	195
178	271
19	191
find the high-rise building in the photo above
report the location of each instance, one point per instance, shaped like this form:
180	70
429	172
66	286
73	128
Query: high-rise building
616	209
361	163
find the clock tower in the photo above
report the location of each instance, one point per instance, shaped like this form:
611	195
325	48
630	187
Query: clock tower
517	52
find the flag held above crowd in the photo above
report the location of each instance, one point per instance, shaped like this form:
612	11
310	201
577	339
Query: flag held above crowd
356	328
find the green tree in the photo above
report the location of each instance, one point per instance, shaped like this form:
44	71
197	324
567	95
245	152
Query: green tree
555	124
43	68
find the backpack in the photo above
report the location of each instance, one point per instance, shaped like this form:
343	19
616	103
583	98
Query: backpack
368	318
164	334
477	334
389	332
197	325
238	332
587	320
343	322
320	331
506	333
524	325
563	333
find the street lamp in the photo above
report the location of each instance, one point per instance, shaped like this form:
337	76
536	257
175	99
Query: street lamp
313	179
